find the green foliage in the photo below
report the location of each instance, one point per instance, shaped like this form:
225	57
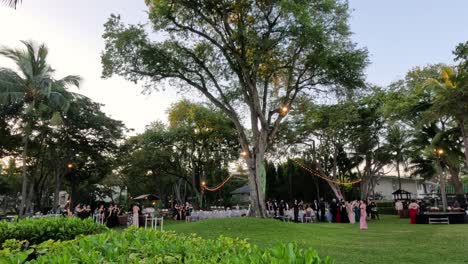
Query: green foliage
346	243
197	146
36	231
150	246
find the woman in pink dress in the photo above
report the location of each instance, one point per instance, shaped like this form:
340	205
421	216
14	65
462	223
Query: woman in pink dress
362	219
135	209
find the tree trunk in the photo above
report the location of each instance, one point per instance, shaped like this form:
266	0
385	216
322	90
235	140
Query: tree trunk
257	180
336	190
29	198
58	185
398	172
455	179
24	176
335	187
364	189
443	190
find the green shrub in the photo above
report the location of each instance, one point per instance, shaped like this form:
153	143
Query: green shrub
36	231
387	210
150	246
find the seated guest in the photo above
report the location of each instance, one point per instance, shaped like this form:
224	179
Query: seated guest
308	212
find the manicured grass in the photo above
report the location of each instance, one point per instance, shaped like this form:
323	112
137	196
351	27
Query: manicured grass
390	240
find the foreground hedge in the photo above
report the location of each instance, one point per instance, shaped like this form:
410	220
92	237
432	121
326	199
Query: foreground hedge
35	231
150	246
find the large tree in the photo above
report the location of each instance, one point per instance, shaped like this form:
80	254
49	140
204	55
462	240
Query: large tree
197	146
430	102
33	85
251	59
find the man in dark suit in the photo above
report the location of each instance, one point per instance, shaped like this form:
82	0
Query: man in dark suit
322	210
315	207
333	207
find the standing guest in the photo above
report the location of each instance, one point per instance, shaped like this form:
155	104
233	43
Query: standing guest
112	216
269	205
374	211
86	211
315	207
344	212
275	208
101	213
66	209
296	211
78	211
350	211
368	212
357	211
413	211
328	216
399	208
338	212
175	211
281	208
333	207
363	215
322	210
136	211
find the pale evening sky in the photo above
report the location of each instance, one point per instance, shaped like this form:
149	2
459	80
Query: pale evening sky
399	35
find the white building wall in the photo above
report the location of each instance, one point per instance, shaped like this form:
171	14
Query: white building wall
387	185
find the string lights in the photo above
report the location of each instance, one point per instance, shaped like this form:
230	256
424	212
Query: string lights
325	177
217	187
244	153
284	110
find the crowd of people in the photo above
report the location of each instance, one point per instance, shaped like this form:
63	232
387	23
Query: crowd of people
335	211
414	207
105	215
182	211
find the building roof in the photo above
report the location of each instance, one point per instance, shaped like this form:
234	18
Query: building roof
242	190
400	191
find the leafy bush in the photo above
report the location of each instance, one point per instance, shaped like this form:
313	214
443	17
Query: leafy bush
150	246
36	231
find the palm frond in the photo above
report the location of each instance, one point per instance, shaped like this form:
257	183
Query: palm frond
70	80
59	102
10	81
11	98
12	3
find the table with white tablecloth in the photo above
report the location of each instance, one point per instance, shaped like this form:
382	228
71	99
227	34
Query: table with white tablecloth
200	215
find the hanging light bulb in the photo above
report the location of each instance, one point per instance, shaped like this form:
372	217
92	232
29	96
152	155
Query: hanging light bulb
284	110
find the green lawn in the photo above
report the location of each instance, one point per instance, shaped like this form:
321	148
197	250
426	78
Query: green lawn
389	240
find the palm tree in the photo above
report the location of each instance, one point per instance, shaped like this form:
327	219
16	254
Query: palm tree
451	95
397	144
33	86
